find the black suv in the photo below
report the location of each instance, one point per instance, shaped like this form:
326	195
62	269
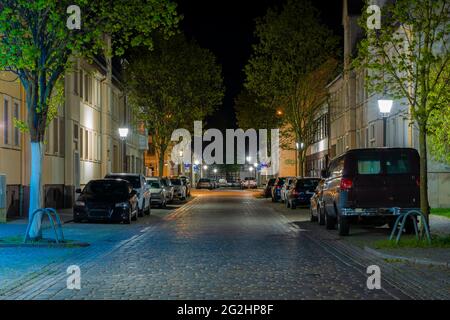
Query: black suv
366	185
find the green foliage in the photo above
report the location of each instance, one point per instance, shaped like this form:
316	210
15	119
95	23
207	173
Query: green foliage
253	113
408	59
36	43
172	86
443	212
408	241
289	69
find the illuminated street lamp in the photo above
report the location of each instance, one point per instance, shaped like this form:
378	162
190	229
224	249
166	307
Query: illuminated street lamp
205	167
385	106
123	133
249	159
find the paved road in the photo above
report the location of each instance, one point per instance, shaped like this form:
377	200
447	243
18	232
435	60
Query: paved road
221	245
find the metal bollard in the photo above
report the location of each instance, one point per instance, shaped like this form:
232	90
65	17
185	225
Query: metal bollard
3	208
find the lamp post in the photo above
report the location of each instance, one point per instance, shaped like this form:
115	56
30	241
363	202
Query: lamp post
181	162
123	133
205	167
385	105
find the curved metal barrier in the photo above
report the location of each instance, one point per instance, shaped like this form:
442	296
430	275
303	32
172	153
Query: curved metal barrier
401	220
52	216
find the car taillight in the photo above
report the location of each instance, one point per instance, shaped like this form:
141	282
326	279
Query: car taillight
346	183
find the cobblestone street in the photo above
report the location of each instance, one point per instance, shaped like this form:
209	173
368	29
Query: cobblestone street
223	244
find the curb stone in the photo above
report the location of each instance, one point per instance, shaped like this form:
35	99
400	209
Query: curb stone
426	262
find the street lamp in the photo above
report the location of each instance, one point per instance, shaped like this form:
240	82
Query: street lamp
249	159
123	133
385	105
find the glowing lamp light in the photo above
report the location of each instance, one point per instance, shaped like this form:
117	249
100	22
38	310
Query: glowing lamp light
196	162
205	167
385	105
215	170
249	159
250	169
123	133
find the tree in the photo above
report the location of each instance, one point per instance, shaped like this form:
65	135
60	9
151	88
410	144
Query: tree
408	59
252	113
171	87
293	49
37	44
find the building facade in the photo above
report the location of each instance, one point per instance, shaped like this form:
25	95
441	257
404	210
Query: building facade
81	143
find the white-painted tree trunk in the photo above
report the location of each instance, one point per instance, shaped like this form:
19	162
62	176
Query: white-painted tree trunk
35	232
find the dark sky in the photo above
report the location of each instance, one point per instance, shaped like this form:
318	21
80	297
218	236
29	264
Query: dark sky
226	28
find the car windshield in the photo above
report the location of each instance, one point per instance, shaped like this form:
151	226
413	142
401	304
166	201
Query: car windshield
204	180
134	180
176	182
310	184
107	188
249	178
155	185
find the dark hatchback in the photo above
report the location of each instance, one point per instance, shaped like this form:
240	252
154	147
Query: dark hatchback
301	192
268	188
109	200
370	186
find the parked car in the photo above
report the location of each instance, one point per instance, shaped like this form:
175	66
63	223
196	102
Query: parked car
158	193
169	188
204	183
179	189
276	189
138	182
249	183
301	192
315	207
268	188
223	183
187	183
366	185
111	200
285	188
236	183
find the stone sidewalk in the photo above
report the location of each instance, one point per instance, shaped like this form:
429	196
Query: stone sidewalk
366	237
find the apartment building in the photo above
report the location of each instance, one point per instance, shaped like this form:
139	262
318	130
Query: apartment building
355	120
81	143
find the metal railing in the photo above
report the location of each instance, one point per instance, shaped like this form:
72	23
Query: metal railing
401	221
52	217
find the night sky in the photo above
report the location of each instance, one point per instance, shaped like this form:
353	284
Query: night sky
226	28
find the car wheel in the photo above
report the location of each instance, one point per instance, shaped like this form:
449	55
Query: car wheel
409	226
320	217
343	226
329	221
128	219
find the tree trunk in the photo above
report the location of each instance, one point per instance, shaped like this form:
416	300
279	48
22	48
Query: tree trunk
161	165
424	204
35	232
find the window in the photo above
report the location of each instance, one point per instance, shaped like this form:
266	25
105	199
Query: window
86	88
6	122
75	82
62	135
369	166
81	143
55	135
16	130
369	163
398	163
86	144
75	136
81	84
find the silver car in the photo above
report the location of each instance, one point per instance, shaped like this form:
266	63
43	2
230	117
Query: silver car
157	191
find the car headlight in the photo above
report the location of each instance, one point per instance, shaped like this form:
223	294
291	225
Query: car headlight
80	203
122	205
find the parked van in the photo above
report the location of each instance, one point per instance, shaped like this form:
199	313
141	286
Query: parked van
365	185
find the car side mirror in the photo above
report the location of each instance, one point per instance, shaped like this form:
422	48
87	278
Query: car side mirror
78	190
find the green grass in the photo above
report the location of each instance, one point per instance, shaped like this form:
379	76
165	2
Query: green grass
443	212
408	241
19	240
